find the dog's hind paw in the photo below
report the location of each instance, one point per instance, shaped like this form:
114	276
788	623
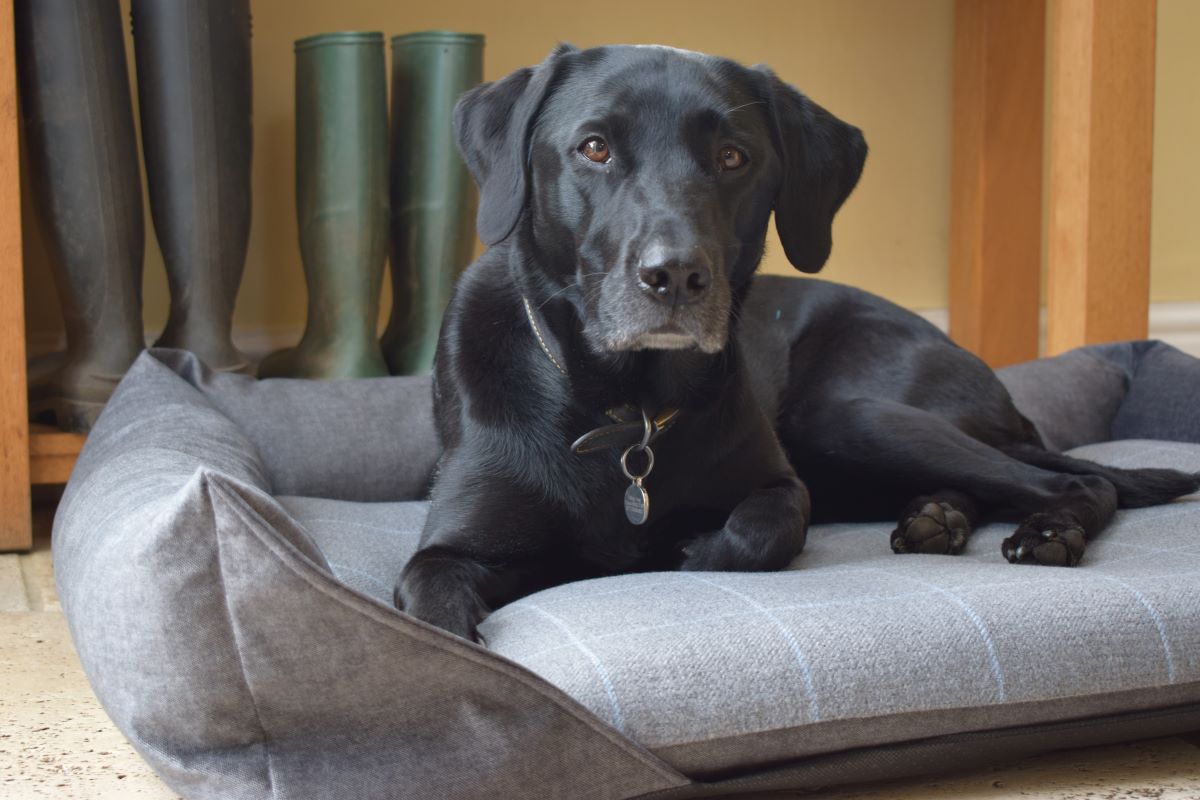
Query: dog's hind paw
930	526
1055	540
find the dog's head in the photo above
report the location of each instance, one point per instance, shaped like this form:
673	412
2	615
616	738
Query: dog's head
644	178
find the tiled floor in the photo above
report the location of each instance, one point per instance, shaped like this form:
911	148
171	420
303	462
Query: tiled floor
56	742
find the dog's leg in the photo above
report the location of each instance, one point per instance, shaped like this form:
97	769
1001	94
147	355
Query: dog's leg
488	549
937	523
904	446
1058	537
446	589
1054	538
764	532
1057	533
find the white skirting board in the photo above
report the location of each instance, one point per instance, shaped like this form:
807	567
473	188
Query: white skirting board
1177	324
255	341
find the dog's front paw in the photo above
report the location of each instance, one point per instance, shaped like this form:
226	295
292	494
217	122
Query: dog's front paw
929	526
708	552
726	550
436	590
460	618
1055	540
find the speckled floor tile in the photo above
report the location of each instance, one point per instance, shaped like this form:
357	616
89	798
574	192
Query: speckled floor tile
1155	769
55	740
12	587
37	577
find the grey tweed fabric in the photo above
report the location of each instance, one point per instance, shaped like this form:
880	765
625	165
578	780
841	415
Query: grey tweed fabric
714	671
1072	398
1123	390
225	553
217	639
367	439
689	664
365	544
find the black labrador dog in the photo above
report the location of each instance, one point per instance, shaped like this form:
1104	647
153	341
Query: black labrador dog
616	392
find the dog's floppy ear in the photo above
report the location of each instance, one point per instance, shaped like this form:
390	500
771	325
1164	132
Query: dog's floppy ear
492	124
822	160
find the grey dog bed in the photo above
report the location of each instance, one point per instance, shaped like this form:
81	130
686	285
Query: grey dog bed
226	548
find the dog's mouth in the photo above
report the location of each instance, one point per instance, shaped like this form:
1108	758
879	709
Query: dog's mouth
665	337
671	336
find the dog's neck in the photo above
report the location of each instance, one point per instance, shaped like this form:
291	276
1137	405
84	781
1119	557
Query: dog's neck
649	379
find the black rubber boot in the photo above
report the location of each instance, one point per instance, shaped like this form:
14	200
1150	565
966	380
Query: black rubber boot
84	173
341	205
432	194
194	92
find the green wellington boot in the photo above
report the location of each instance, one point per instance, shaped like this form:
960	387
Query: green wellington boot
84	174
341	205
433	197
193	73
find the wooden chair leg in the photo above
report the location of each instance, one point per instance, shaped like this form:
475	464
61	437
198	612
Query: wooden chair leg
996	184
1101	146
16	531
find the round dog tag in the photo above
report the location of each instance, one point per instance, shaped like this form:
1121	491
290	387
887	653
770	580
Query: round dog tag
637	499
637	503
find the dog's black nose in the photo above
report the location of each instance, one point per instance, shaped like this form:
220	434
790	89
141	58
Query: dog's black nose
673	280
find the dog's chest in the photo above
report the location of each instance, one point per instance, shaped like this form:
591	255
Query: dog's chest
680	483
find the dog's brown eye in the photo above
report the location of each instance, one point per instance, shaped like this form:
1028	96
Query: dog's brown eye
595	149
731	158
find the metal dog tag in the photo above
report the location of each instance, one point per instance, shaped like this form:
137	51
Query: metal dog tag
637	499
637	502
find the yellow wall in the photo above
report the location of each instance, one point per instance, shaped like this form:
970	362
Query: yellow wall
1175	224
884	65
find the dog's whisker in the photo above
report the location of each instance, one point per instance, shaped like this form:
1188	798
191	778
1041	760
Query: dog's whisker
743	105
556	294
573	285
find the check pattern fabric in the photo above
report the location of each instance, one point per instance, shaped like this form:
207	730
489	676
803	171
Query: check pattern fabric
226	549
213	630
692	664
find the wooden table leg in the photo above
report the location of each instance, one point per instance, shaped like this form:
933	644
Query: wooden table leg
1101	147
16	531
996	183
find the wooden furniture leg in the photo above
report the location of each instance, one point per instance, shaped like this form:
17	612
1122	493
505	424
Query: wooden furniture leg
1101	146
16	527
996	178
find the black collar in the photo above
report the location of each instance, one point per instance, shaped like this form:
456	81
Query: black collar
629	422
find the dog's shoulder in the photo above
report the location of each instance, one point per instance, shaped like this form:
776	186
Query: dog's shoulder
489	366
484	304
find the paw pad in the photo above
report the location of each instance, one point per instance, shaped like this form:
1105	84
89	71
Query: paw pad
1044	540
934	528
